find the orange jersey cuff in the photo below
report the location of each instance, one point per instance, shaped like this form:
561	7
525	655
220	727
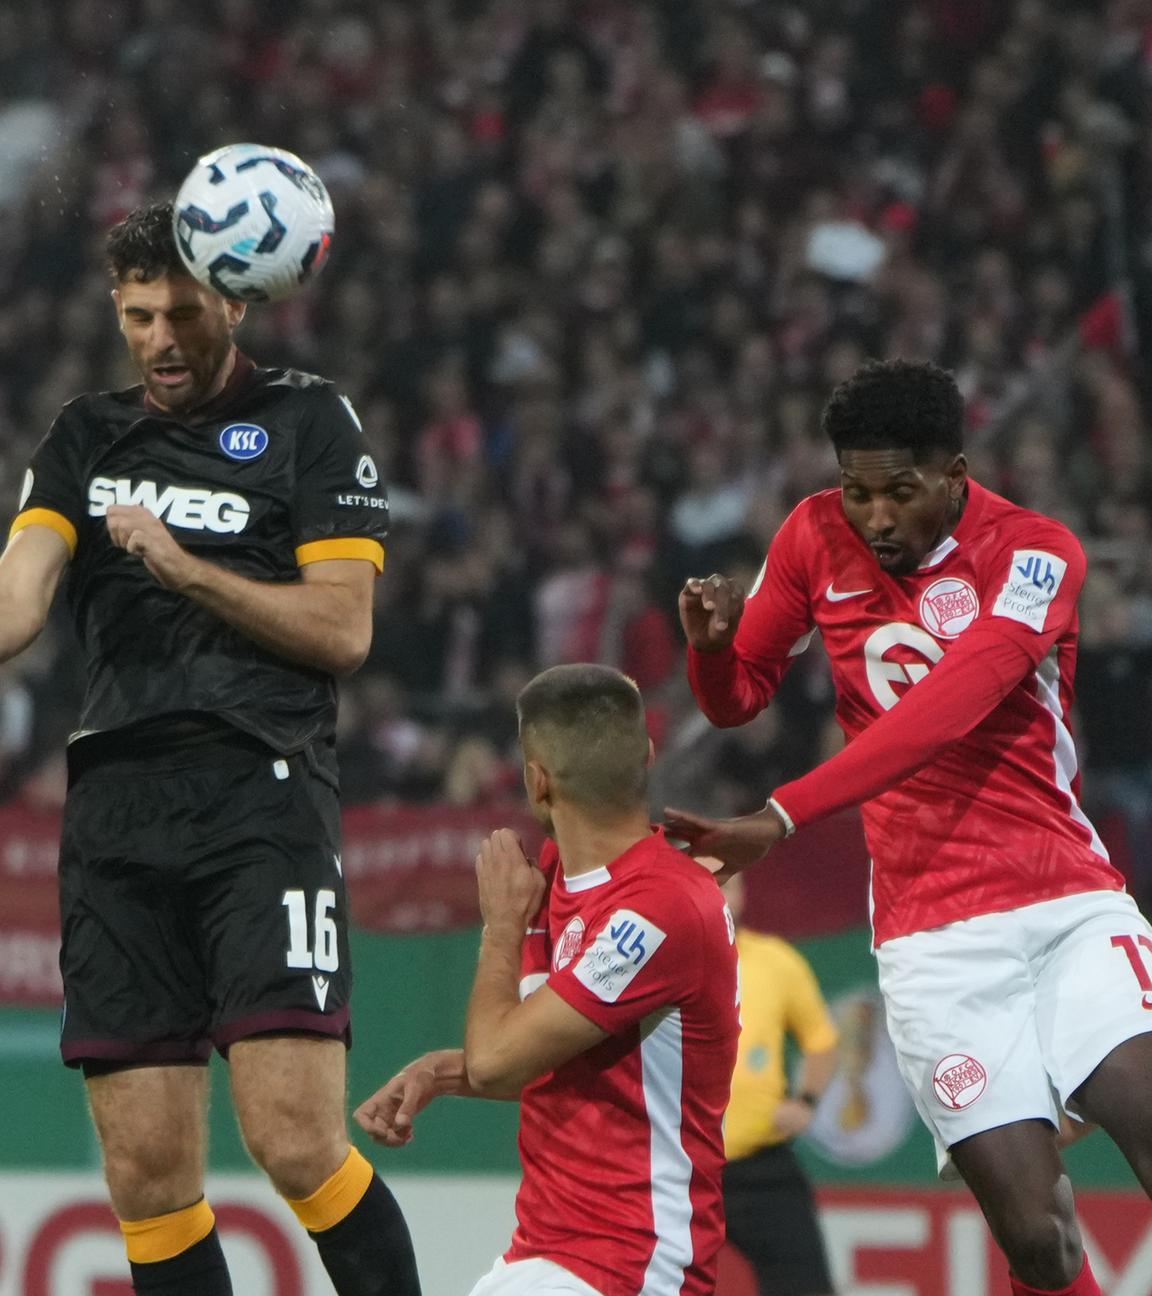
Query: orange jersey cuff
344	547
45	517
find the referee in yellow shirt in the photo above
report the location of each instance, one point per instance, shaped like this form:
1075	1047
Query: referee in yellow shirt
767	1197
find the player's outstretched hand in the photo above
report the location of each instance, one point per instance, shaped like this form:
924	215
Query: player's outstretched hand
710	611
511	889
141	532
735	842
388	1115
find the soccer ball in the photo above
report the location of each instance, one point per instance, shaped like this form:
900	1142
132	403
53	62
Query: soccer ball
253	223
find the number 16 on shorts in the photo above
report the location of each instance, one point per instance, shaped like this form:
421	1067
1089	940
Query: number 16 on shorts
319	949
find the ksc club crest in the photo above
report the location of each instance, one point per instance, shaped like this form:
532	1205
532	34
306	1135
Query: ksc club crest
568	946
959	1080
948	607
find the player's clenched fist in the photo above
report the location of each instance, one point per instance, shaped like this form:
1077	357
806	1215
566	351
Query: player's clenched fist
141	532
511	889
710	611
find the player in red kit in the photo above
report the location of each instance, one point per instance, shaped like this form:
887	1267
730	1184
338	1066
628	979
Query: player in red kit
1016	972
605	1000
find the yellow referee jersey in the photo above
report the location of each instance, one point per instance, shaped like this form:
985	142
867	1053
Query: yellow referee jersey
779	996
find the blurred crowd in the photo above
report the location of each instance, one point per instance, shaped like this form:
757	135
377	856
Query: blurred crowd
597	266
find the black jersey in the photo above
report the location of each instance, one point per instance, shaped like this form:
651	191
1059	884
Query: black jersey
273	474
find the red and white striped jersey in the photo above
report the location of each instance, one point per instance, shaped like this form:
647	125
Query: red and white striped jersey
953	686
622	1147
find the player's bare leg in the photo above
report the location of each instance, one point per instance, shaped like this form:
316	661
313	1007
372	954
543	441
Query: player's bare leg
150	1121
1116	1096
289	1094
1016	1174
289	1098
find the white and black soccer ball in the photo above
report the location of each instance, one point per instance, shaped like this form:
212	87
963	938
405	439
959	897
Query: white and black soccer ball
253	223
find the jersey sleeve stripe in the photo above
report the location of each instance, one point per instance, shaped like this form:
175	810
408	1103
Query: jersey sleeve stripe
45	517
346	547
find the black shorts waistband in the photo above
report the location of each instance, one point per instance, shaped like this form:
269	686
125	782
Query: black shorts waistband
119	754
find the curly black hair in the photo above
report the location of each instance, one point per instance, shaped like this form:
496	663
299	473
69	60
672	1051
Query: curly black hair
897	405
142	246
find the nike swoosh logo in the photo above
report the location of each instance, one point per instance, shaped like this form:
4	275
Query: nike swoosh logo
320	987
835	596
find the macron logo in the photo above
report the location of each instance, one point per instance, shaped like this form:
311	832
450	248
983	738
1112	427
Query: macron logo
189	507
320	989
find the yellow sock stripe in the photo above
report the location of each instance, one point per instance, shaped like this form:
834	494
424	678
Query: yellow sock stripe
335	1199
149	1241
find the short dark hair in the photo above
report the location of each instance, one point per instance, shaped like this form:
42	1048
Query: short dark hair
897	405
586	723
143	247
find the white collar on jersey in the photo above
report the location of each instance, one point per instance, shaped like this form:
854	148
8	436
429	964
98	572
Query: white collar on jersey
586	881
942	550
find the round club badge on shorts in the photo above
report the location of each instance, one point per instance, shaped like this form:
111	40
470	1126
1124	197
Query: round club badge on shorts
958	1081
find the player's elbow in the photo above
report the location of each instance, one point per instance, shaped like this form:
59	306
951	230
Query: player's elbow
489	1074
349	652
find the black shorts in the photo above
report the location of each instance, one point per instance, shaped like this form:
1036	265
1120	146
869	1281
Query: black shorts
771	1219
201	902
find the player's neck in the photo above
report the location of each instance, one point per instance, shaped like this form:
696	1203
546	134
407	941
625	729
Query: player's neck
226	370
952	521
585	844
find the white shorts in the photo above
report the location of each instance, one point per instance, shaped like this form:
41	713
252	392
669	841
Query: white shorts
534	1277
1002	1017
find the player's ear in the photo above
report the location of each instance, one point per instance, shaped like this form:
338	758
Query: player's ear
650	760
537	784
117	301
957	474
235	310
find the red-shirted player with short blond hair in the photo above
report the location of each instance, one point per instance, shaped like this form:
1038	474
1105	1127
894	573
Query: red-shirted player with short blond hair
605	1000
1016	971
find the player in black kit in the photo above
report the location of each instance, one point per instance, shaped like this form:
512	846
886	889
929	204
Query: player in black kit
221	526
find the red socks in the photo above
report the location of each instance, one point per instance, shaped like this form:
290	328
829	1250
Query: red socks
1085	1285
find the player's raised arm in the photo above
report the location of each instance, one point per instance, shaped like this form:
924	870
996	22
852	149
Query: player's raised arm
323	620
509	1042
973	677
30	571
339	517
739	646
710	611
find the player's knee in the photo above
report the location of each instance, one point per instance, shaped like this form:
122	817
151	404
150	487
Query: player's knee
147	1180
1044	1249
297	1161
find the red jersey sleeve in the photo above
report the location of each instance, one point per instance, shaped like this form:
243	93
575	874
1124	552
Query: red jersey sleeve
641	955
1028	601
737	683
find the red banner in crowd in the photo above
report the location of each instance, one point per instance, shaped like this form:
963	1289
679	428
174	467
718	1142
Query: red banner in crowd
410	869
